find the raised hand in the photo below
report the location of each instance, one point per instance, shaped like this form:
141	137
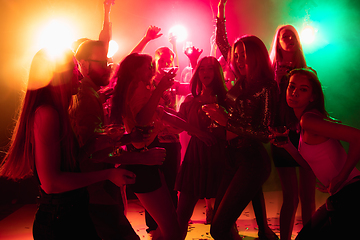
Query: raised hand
107	5
167	80
152	33
193	53
172	39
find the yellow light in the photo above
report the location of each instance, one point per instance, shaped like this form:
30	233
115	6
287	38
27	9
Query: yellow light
113	47
56	36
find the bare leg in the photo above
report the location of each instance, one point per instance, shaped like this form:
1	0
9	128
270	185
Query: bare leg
258	203
209	202
158	203
243	188
184	211
289	185
307	194
124	198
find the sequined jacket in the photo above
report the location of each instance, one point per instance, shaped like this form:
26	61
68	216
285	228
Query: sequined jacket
222	41
251	108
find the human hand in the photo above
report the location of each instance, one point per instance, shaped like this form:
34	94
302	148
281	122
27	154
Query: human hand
172	39
193	53
153	33
322	188
335	184
216	113
105	93
153	156
141	134
167	80
279	136
108	4
121	177
114	131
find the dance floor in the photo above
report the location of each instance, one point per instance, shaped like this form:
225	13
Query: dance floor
16	220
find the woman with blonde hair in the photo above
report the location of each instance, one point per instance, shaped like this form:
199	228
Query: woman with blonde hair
287	54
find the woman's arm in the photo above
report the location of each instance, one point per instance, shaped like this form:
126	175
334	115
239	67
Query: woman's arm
172	40
152	33
48	158
106	32
145	115
259	125
221	35
175	121
292	150
315	125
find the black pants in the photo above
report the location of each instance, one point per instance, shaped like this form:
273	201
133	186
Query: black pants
63	221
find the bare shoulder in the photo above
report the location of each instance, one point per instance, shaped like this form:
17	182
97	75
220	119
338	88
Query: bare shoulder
315	124
310	118
189	98
46	117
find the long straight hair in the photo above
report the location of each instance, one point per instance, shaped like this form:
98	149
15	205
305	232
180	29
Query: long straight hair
276	54
257	57
218	84
317	91
123	76
55	91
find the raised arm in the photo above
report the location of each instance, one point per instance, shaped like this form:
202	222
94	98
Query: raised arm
152	33
221	35
172	40
48	157
193	54
318	126
145	115
106	32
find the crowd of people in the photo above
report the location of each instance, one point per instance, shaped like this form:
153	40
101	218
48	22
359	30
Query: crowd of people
88	129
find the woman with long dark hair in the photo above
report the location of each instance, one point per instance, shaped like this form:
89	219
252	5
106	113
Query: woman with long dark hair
44	145
249	114
321	151
135	103
201	170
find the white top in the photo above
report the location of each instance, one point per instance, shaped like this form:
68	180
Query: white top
326	159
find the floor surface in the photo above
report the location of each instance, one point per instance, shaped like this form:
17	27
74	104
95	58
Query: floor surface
18	224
